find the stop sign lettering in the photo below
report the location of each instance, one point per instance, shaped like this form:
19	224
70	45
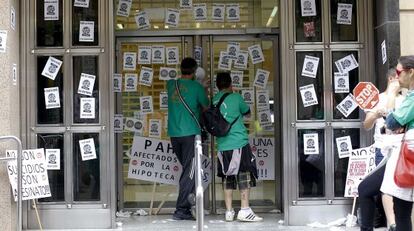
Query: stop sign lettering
366	95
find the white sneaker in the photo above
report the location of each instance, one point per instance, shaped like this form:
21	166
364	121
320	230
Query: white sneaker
248	215
230	215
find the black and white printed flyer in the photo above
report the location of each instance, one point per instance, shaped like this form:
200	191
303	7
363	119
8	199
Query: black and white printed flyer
52	68
155	127
51	10
131	82
310	66
86	84
217	12
87	148
256	54
311	144
144	54
86	31
117	82
200	12
173	57
52	99
52	159
142	21
241	60
236	79
163	100
347	105
87	108
124	7
146	76
233	12
81	3
308	95
344	146
146	105
262	76
158	54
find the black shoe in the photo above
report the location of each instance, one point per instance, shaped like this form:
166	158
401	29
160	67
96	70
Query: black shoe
392	227
180	217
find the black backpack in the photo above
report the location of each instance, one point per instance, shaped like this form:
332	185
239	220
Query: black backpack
214	122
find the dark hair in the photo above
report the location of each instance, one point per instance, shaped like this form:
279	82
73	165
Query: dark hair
391	72
188	66
223	80
407	62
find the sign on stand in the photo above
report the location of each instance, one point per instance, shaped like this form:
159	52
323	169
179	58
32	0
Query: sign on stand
366	95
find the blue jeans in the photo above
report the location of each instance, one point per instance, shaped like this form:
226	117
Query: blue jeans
378	156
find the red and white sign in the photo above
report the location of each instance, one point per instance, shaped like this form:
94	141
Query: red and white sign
366	95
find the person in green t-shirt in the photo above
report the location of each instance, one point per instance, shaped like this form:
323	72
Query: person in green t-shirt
237	162
182	129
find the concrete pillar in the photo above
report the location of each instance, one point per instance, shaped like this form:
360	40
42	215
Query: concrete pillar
9	106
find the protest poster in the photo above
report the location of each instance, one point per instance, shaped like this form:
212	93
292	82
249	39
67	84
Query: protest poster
263	148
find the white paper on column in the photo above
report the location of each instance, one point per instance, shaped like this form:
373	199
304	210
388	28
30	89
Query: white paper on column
155	128
237	79
198	54
217	12
81	3
86	84
146	105
14	74
166	122
167	73
233	12
186	4
344	146
52	68
52	159
224	61
118	123
146	76
256	54
262	99
163	100
249	117
200	12
308	8
310	66
172	17
264	117
52	99
3	41
158	54
131	82
261	78
12	18
117	82
347	105
134	125
173	56
87	108
341	82
124	7
86	31
130	61
384	52
144	54
233	48
248	95
346	64
308	95
142	21
344	14
51	10
311	143
87	147
242	59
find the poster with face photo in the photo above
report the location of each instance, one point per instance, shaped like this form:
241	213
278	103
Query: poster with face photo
308	8
384	52
86	84
81	3
158	54
347	106
248	95
217	12
87	148
146	76
146	105
51	10
344	14
86	31
52	68
256	54
118	123
241	61
52	159
155	127
200	12
163	100
134	125
262	99
233	12
262	76
344	146
264	117
311	144
124	7
198	54
224	61
131	81
87	108
308	95
167	73
52	99
144	54
130	61
341	82
142	21
117	82
173	56
236	79
346	64
310	66
186	4
172	17
233	49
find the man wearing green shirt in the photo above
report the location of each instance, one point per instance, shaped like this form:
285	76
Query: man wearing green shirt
182	129
237	163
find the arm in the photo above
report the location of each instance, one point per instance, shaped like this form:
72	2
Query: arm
370	119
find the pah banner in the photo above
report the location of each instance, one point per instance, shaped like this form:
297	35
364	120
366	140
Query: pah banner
263	148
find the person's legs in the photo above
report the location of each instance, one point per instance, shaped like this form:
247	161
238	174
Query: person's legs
245	182
229	184
388	208
244	196
402	210
228	198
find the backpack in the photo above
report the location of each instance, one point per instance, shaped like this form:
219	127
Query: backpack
214	122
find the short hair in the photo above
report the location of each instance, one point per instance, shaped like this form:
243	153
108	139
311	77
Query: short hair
391	72
223	80
188	66
407	62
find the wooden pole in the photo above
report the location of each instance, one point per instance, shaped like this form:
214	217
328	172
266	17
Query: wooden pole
152	198
37	215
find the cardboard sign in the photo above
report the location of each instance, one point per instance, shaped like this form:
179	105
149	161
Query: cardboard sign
163	100
154	128
248	95
172	17
81	3
344	14
52	99
233	48
308	95
86	84
241	60
134	125
130	61
146	76
264	117
118	123
341	82
200	12
146	105
217	12
311	144
233	12
144	54
142	21
347	106
167	73
224	61
51	68
263	148
87	108
87	148
344	146
53	159
346	64
308	8
236	79
173	55
131	81
383	52
186	4
158	54
310	66
86	31
117	82
262	99
256	54
262	76
51	10
124	7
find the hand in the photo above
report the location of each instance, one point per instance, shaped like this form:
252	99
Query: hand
382	112
393	87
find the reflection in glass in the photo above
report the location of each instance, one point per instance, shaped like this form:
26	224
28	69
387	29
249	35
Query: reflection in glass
341	165
89	14
56	177
86	174
308	28
311	167
53	115
344	32
49	32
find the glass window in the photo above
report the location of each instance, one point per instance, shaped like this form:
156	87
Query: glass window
49	24
83	20
353	81
341	165
311	167
84	111
86	178
344	27
56	176
309	107
51	115
308	28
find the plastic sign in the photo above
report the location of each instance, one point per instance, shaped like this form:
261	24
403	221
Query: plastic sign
366	95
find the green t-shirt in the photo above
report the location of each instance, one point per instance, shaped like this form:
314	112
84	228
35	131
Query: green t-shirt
180	121
405	113
232	107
